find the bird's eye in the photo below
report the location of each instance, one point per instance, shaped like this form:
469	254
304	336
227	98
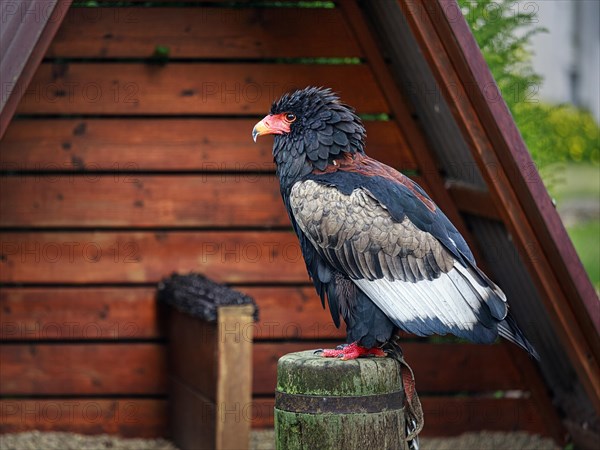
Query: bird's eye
290	117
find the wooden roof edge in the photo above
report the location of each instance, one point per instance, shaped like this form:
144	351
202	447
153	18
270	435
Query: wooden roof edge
447	44
520	171
521	167
37	23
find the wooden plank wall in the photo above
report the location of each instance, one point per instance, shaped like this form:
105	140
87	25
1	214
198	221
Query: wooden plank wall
122	168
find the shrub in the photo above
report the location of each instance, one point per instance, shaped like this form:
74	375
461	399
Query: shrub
553	133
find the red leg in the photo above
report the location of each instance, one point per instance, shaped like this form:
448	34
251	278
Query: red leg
352	351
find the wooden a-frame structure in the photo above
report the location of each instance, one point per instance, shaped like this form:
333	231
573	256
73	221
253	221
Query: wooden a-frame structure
417	62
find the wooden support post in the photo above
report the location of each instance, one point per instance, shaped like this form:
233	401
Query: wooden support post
210	364
210	367
329	403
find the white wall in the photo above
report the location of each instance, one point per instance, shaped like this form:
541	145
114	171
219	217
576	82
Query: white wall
571	46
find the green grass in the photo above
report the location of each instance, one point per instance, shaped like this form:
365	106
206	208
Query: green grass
572	183
586	239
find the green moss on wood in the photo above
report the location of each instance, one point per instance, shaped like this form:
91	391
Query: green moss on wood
305	373
310	374
297	431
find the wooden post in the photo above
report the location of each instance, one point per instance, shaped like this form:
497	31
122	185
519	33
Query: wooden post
210	367
210	364
334	404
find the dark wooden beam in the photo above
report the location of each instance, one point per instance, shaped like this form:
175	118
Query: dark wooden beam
27	30
520	168
525	207
471	200
533	379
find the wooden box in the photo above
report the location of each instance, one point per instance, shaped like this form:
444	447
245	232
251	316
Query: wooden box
210	374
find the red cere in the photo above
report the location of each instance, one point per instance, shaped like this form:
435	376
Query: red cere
364	165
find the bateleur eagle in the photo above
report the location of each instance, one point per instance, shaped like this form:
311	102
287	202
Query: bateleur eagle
377	248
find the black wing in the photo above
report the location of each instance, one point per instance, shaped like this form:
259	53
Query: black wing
424	283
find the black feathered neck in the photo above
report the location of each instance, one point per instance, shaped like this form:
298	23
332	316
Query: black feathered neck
324	128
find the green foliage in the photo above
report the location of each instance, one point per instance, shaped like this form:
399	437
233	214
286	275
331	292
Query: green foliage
558	133
85	4
584	235
161	54
494	24
382	117
553	134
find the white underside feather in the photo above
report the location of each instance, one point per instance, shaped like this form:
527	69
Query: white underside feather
454	298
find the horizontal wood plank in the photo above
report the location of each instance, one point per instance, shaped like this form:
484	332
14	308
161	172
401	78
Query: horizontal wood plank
208	145
473	201
79	314
80	369
473	368
137	200
132	313
292	313
151	201
75	369
111	257
127	417
203	33
451	416
131	200
194	88
446	416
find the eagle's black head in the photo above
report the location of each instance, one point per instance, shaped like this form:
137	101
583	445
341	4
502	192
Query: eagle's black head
312	128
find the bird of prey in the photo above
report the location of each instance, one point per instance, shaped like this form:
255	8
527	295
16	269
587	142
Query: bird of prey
379	251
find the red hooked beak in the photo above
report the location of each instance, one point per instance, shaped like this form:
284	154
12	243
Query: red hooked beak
271	124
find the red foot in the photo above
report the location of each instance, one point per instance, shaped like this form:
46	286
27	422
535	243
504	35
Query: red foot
352	351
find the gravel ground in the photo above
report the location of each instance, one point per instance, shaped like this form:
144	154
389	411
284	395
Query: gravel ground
263	440
36	440
260	440
491	441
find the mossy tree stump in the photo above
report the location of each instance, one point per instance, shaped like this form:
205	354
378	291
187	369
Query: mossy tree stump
326	403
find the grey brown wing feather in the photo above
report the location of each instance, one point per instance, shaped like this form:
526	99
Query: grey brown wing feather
405	271
359	234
